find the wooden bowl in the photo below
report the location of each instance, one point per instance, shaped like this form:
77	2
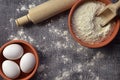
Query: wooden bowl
97	45
27	48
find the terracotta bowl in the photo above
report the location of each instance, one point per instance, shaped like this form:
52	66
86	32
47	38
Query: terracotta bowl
27	48
97	45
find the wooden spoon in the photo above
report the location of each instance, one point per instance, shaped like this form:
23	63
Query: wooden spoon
108	13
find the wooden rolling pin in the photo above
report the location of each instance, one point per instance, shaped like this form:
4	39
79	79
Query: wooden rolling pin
45	11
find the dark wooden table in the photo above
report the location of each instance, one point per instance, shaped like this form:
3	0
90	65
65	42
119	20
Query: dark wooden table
61	58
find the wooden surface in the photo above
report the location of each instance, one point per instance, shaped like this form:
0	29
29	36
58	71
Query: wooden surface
61	58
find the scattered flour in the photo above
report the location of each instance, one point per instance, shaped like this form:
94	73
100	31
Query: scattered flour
65	74
42	67
99	55
97	78
59	45
86	26
68	43
78	68
80	49
12	20
61	34
21	35
96	57
23	7
81	77
44	38
18	10
65	59
31	5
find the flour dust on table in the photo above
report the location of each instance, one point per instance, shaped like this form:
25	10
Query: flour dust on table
23	7
79	68
21	35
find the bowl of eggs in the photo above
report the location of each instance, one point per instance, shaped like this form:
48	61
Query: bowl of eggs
18	60
85	27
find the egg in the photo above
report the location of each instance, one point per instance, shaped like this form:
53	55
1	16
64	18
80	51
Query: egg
27	62
10	69
13	51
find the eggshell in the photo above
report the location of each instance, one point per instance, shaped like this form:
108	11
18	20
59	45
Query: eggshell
10	69
27	62
13	51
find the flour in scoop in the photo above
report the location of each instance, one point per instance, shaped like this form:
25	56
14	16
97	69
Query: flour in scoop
86	24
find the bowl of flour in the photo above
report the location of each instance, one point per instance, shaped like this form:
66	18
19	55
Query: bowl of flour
85	26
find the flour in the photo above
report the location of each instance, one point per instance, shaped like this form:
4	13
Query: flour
65	75
80	49
96	57
21	35
42	67
59	33
62	34
86	26
31	5
66	42
77	68
97	78
57	44
65	59
23	7
44	38
11	20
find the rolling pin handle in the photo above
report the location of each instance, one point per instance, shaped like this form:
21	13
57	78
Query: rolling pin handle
22	20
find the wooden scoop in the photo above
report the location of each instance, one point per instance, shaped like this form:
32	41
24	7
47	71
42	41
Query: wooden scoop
108	13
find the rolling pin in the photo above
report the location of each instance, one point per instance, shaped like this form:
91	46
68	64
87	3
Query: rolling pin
45	11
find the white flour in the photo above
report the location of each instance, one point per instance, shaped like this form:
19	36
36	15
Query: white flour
21	35
31	5
24	7
65	59
63	76
86	26
66	73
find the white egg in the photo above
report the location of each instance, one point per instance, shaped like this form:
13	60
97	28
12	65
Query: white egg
27	62
13	51
10	69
